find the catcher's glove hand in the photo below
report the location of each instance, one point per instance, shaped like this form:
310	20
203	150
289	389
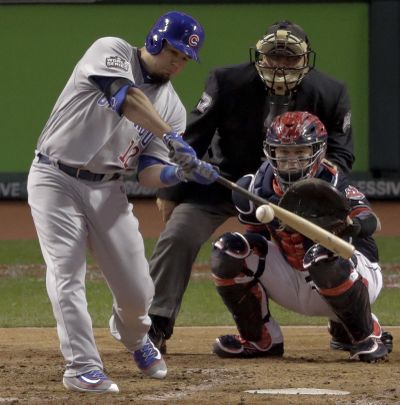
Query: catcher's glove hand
319	202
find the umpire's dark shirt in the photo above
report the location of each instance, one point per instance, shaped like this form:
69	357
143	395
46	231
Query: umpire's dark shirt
226	127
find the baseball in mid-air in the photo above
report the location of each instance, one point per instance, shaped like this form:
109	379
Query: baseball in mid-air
265	213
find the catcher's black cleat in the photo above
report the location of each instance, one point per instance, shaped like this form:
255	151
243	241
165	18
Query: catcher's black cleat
387	340
341	340
236	346
369	350
337	344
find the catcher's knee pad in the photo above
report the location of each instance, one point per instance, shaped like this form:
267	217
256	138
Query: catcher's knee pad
245	309
327	270
258	243
230	250
227	257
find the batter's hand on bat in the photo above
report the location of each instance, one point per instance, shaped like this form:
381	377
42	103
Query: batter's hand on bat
180	152
201	172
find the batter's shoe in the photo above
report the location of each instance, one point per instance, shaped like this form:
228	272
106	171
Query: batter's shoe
236	346
94	381
369	350
150	361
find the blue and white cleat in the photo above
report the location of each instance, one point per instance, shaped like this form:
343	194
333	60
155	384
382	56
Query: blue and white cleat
94	381
149	360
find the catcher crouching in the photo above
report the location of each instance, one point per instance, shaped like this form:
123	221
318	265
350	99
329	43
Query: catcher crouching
271	261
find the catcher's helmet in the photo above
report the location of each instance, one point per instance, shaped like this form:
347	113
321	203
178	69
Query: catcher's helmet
283	56
180	30
295	145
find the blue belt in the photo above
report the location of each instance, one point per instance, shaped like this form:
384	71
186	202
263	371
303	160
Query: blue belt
75	172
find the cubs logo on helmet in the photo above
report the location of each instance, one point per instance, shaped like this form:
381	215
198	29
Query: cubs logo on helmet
194	40
180	30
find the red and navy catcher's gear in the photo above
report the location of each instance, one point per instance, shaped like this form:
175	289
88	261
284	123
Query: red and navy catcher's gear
230	250
294	130
180	30
344	289
242	299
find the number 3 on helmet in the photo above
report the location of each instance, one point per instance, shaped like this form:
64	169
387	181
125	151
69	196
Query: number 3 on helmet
180	30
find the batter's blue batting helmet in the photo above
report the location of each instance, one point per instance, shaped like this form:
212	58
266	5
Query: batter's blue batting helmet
180	30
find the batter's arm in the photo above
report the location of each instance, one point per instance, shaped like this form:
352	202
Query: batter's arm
138	108
150	176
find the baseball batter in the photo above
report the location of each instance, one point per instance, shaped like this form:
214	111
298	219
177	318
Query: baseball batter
289	268
117	113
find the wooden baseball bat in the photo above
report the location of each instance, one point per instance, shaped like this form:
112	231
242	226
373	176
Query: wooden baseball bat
298	223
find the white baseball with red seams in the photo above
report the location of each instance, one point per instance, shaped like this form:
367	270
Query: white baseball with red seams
265	213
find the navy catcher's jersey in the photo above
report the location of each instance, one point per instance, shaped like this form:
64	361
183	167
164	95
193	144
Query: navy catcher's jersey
264	185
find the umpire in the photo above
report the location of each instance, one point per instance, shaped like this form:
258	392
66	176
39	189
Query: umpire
227	128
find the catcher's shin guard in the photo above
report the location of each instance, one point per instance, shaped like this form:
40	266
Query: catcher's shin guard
228	262
343	288
245	309
341	340
354	310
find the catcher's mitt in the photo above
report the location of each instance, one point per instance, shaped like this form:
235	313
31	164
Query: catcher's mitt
319	202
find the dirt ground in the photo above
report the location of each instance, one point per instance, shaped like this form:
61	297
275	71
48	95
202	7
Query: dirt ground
31	365
31	369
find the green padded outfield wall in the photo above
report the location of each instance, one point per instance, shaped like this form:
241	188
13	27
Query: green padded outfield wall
40	45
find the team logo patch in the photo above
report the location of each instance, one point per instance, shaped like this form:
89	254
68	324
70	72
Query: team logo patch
117	62
193	40
347	121
353	194
204	102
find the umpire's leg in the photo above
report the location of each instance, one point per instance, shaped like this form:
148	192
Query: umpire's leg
189	226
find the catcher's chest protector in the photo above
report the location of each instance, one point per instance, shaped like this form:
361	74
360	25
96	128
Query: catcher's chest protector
293	245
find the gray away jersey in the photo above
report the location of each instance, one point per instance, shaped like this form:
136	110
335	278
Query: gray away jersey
83	130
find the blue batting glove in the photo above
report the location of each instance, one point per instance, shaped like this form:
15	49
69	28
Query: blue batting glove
201	172
180	152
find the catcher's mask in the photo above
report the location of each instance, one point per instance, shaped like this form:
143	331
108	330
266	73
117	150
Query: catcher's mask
283	57
180	30
295	145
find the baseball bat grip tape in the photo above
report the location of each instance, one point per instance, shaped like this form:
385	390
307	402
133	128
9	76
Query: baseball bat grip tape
298	223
